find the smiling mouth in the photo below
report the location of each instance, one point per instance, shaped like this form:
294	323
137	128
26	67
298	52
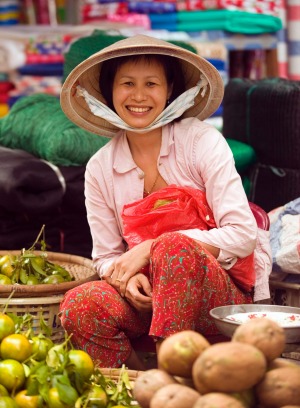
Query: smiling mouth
138	110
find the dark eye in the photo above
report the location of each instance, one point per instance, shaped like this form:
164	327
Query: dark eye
150	84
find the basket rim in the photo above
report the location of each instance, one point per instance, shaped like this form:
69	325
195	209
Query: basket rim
115	372
42	289
33	301
62	256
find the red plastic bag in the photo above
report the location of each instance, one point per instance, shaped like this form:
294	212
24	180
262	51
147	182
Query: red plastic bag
170	209
175	208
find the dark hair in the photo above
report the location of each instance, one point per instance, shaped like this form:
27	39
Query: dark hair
171	65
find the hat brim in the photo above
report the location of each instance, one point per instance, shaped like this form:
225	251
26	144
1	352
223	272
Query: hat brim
86	74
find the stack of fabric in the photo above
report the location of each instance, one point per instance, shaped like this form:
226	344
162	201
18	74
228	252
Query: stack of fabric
92	11
9	12
248	17
266	115
42	69
233	21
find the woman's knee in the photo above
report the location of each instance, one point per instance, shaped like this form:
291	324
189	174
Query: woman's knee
83	301
171	240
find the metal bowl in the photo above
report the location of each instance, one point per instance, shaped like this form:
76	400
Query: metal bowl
227	327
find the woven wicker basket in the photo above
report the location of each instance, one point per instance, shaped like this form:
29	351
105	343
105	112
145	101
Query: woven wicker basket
46	308
80	268
114	373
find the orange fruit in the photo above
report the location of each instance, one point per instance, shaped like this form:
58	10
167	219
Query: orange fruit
16	346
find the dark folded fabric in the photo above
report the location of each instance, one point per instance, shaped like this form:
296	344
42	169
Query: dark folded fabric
76	232
34	193
272	187
266	115
20	230
28	184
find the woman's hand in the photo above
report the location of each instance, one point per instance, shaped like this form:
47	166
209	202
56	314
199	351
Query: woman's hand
139	293
127	265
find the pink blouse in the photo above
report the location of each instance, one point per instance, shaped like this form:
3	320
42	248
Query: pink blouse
194	154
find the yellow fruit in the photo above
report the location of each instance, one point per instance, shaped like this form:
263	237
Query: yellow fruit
27	401
7	269
96	397
81	363
7	326
16	346
4	280
12	374
4	259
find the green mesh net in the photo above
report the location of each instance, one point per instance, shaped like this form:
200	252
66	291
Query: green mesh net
37	124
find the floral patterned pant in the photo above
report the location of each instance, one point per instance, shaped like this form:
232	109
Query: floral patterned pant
187	282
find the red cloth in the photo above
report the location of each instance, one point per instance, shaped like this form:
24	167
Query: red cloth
187	283
175	208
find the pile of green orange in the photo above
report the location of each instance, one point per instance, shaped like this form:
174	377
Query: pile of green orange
36	373
29	268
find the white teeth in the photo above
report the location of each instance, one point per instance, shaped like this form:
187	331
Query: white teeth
139	110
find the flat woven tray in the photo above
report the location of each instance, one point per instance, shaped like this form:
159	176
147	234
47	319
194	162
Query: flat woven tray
79	267
114	373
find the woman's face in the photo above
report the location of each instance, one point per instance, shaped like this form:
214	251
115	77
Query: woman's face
140	92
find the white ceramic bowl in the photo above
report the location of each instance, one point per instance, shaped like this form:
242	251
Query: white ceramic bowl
286	316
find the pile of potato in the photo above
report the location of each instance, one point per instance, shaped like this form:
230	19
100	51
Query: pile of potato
246	372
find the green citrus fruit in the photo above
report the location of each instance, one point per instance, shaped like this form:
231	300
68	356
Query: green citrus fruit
27	401
5	280
82	363
16	346
12	374
4	258
97	397
40	261
7	326
7	269
55	402
53	279
40	347
7	402
3	391
32	280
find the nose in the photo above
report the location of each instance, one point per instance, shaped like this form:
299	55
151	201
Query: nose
139	93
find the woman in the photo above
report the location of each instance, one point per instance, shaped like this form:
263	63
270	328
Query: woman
150	97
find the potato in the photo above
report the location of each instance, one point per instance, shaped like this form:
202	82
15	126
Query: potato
178	352
185	381
281	362
174	396
218	400
279	387
246	397
291	406
229	367
263	333
148	383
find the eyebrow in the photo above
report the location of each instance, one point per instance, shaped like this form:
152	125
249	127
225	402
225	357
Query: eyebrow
132	77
